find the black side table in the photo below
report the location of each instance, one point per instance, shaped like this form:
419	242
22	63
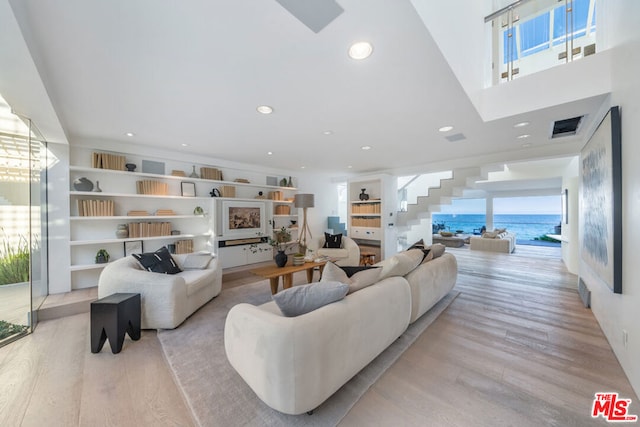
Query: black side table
112	317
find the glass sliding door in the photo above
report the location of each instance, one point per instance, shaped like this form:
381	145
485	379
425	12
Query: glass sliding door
23	258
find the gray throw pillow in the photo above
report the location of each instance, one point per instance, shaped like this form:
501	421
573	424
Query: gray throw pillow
302	299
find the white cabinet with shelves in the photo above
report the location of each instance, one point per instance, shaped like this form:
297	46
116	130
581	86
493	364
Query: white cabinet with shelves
233	256
372	218
88	234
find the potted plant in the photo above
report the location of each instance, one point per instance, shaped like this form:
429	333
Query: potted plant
279	242
298	259
102	257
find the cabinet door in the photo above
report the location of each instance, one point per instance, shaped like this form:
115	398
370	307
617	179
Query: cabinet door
233	256
264	252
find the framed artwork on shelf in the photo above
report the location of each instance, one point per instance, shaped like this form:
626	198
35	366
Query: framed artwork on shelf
133	247
188	189
601	201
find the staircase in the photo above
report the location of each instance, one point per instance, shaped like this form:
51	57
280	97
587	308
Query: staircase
462	179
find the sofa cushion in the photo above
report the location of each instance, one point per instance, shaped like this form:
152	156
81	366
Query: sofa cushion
437	249
332	241
401	263
159	261
197	261
365	276
299	300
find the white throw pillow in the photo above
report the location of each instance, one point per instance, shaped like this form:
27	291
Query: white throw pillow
401	263
357	281
197	261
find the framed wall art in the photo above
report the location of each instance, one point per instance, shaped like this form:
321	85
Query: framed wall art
601	201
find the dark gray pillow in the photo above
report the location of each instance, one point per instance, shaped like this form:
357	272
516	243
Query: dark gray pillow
333	241
351	270
159	261
305	298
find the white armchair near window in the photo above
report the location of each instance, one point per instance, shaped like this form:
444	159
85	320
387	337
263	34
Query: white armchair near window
347	255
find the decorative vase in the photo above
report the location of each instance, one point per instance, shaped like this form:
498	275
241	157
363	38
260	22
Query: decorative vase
98	189
193	173
130	167
283	182
290	183
82	184
363	195
101	259
281	259
122	232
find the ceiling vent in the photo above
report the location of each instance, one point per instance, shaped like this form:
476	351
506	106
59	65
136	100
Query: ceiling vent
455	137
566	127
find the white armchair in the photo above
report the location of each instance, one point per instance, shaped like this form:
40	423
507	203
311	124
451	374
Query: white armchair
347	255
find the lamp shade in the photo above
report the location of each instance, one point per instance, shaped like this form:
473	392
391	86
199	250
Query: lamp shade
303	201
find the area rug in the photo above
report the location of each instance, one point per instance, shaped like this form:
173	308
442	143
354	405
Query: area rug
218	396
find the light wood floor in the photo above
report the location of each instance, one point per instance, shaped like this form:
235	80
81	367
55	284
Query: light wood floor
515	348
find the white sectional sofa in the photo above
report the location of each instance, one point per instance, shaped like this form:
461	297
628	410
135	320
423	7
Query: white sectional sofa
293	364
167	299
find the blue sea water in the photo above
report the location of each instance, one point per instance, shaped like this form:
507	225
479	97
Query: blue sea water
525	227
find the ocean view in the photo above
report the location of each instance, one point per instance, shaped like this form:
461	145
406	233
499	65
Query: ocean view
525	227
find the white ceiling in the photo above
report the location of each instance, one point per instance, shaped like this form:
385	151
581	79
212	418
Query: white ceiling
193	72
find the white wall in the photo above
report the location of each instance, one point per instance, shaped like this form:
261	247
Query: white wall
618	312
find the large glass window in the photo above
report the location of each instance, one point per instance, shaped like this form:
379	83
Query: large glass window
23	256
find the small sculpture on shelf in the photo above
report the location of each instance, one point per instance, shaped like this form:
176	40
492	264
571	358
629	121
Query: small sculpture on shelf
131	167
122	232
82	184
193	173
97	189
215	192
363	196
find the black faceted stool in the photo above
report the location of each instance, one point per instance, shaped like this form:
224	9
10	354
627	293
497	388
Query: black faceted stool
111	317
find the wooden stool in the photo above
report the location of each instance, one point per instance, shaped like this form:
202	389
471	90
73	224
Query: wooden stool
112	317
367	258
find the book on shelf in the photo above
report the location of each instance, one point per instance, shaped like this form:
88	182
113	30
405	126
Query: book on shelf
88	207
138	213
108	161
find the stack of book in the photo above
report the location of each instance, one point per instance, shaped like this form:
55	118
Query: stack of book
149	229
211	173
184	246
108	161
137	213
165	212
227	191
276	195
152	187
95	207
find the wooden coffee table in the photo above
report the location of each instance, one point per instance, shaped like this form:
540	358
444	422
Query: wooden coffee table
273	273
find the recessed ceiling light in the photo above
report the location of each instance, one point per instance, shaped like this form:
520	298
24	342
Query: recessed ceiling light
523	136
360	50
264	109
328	132
184	144
445	128
366	147
526	145
349	166
302	167
130	134
521	124
269	153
